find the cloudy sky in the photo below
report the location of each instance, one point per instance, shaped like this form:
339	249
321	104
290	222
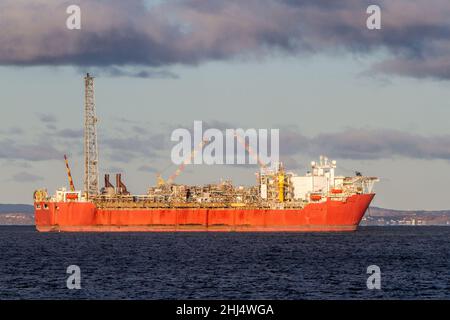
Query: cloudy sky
377	101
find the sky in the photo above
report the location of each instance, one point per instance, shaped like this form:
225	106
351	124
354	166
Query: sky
374	100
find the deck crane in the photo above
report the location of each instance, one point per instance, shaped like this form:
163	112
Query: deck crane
250	150
280	170
69	175
160	180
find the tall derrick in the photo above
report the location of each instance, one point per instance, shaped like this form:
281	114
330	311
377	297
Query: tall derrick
91	173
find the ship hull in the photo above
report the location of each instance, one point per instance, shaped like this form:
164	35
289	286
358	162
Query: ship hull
327	216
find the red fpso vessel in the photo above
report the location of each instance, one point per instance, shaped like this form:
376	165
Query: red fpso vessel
280	201
329	215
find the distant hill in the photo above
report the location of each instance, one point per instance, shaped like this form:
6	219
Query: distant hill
380	216
381	212
16	214
16	208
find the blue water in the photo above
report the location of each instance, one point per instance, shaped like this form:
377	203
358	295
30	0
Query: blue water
414	263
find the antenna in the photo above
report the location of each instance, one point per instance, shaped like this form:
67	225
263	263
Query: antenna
91	175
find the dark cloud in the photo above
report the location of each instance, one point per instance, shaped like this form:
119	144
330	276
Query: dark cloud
291	163
51	126
11	150
418	68
367	144
12	131
18	164
15	131
112	170
139	129
351	143
143	74
147	168
123	157
49	119
216	124
128	147
70	133
26	177
137	144
117	35
292	142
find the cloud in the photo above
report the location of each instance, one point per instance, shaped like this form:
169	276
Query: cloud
51	126
291	163
12	150
415	35
12	131
49	119
350	143
70	133
18	164
367	144
417	68
26	177
139	129
112	170
123	157
136	145
147	168
143	74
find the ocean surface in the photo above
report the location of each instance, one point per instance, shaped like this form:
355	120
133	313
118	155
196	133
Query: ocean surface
414	264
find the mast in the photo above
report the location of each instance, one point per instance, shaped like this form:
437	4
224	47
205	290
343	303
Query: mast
91	174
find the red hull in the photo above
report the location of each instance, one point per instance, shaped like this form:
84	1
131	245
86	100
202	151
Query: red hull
85	217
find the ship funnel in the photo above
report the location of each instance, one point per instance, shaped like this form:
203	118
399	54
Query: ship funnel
109	189
107	183
120	186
